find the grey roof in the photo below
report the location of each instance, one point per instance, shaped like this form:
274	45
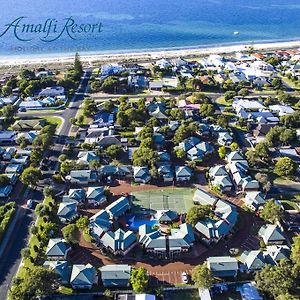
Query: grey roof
204	198
168	216
57	247
67	210
253	260
222	263
82	275
119	207
61	267
115	272
218	170
183	171
119	240
271	233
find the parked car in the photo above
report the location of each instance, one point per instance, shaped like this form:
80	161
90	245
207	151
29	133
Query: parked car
30	203
184	277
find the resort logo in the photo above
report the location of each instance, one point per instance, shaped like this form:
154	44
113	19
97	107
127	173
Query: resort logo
50	30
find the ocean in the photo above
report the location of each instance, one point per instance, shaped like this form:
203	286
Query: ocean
135	25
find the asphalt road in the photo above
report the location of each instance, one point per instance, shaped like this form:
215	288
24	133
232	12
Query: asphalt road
11	259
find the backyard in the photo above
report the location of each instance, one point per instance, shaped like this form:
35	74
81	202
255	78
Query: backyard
178	199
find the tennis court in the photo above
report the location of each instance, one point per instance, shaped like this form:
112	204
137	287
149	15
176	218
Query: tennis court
178	199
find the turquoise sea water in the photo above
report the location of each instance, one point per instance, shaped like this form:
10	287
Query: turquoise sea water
149	24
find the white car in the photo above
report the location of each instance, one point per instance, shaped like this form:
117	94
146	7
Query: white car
184	277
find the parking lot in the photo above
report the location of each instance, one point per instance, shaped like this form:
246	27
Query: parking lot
168	277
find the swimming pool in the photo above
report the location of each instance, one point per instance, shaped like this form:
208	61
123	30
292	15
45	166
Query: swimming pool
134	222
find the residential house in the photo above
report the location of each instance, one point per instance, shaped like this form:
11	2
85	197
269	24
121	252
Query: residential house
52	91
119	242
96	195
254	200
156	85
67	211
183	173
83	276
57	249
179	241
203	198
61	267
167	216
28	136
271	235
157	110
252	260
5	191
275	253
223	266
29	124
7	137
82	176
14	169
281	110
165	171
115	275
118	208
224	138
87	156
77	195
141	174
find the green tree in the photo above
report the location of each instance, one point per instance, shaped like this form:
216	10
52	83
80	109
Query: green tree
22	142
202	277
71	233
222	152
77	64
286	296
139	280
144	157
295	253
6	90
114	151
37	281
229	95
285	167
179	152
82	223
27	74
207	110
234	146
110	84
4	180
275	280
89	107
176	114
9	112
31	176
271	212
196	213
222	121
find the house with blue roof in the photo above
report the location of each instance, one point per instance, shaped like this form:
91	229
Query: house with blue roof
96	195
223	266
183	173
57	249
77	195
61	267
180	240
141	174
82	176
67	211
115	275
87	156
275	253
83	277
5	191
119	242
165	171
271	235
252	260
14	168
255	200
118	208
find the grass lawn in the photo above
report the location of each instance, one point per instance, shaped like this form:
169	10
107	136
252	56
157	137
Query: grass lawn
284	181
183	295
178	199
290	83
221	101
53	120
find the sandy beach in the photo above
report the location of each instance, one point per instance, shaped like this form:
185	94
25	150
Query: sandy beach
92	59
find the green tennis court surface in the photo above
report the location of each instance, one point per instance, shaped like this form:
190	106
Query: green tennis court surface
178	199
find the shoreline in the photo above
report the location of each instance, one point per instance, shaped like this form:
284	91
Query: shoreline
144	55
